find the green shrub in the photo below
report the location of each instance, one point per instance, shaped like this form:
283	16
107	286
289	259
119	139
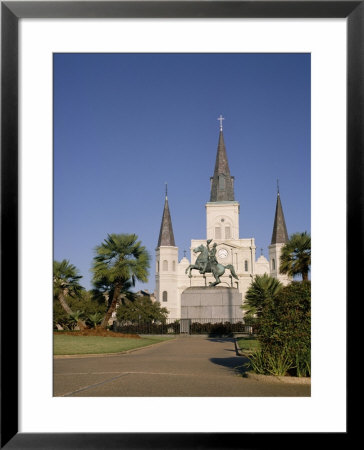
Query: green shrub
257	362
284	331
141	309
95	319
273	362
303	363
221	329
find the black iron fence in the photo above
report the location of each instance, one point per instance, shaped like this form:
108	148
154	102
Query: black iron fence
186	326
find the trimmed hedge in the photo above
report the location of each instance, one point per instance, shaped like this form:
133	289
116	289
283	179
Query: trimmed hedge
147	328
213	329
218	329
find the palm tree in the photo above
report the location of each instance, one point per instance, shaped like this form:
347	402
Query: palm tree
76	317
65	283
262	289
296	256
120	260
95	318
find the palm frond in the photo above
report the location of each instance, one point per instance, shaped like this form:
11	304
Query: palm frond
120	260
261	289
296	255
66	278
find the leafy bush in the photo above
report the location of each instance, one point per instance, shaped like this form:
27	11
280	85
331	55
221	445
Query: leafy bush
174	327
95	319
141	309
273	362
303	363
221	329
145	328
216	329
284	331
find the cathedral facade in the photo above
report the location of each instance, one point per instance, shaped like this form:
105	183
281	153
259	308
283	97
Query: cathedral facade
222	226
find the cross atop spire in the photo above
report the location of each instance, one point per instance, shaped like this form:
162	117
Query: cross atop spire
277	186
221	119
166	189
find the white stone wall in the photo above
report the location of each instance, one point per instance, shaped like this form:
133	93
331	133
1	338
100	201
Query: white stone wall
275	251
222	215
167	279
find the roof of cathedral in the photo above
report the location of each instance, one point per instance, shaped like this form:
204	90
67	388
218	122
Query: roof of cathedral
279	235
222	188
166	236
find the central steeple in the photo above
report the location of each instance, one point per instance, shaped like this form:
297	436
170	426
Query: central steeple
222	183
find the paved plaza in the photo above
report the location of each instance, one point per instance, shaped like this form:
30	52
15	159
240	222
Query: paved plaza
196	366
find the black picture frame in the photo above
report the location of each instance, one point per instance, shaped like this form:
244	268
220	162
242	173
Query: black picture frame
11	12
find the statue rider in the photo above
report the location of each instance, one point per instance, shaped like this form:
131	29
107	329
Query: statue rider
211	257
204	267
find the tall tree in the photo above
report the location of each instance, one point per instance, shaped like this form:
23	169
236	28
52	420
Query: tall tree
66	283
120	260
296	256
262	288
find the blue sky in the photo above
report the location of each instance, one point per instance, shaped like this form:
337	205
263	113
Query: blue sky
125	124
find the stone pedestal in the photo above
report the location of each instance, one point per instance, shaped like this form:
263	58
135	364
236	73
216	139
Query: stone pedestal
218	302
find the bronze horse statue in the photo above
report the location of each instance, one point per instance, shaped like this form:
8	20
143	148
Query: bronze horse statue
205	264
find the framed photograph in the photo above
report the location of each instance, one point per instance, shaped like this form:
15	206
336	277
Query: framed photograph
34	36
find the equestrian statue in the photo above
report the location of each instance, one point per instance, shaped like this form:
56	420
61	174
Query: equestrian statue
206	262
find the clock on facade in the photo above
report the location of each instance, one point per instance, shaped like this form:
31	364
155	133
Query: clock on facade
222	253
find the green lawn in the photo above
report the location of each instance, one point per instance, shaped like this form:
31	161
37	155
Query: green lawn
247	344
79	345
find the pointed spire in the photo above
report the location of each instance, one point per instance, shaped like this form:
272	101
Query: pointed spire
279	235
222	187
166	236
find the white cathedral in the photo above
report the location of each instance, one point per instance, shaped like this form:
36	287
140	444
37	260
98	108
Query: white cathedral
222	226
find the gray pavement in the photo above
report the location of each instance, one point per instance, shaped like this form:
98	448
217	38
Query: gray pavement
188	366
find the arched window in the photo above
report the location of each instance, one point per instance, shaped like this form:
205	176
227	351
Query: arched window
165	265
174	266
227	233
164	296
217	233
273	264
246	267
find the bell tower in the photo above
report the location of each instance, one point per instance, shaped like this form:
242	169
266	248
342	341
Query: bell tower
166	273
222	211
279	239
